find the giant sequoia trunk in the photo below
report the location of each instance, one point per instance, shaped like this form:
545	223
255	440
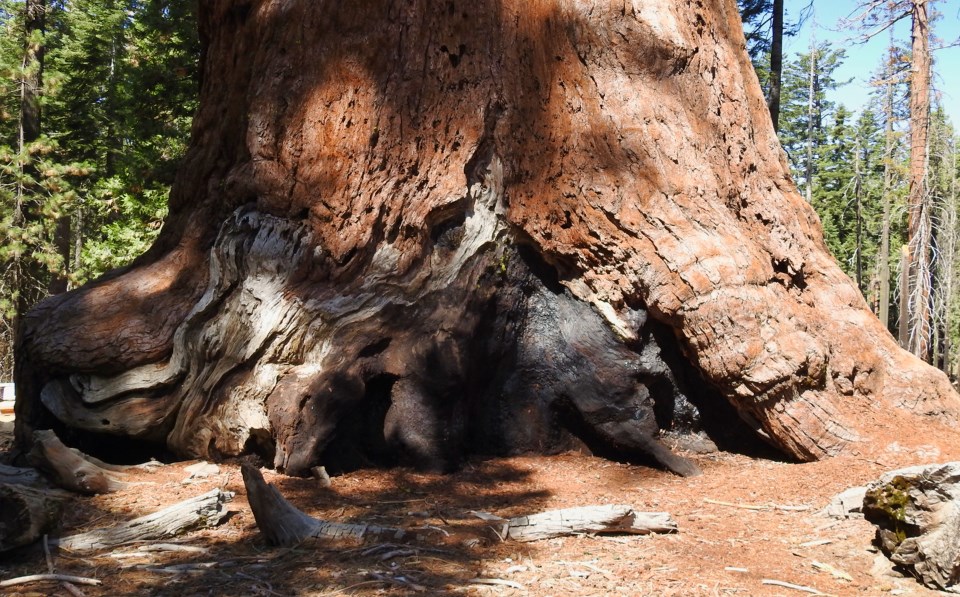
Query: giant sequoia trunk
409	229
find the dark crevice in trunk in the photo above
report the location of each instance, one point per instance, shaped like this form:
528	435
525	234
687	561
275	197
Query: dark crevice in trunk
359	441
530	368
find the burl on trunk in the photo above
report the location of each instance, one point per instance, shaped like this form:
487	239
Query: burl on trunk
406	231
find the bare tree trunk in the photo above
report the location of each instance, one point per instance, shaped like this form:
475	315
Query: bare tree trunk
27	271
919	231
953	229
943	183
404	233
858	198
884	257
776	63
62	243
811	94
904	302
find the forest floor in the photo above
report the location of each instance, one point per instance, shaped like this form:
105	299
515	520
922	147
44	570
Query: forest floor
742	522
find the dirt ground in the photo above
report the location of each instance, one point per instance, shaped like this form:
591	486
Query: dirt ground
743	522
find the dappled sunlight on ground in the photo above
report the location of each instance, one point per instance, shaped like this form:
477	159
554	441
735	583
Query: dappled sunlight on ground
742	522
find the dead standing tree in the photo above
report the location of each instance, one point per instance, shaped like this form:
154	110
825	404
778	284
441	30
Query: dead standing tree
406	230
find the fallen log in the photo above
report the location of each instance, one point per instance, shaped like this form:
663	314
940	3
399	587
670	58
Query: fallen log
27	513
203	511
917	513
285	525
72	469
612	518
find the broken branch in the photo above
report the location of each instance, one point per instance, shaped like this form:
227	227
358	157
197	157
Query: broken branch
206	510
283	524
22	580
787	585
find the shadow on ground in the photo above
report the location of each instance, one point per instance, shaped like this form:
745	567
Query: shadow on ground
237	560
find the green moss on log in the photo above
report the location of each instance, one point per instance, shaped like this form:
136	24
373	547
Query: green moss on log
887	507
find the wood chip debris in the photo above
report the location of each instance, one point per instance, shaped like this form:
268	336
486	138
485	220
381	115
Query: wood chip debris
816	543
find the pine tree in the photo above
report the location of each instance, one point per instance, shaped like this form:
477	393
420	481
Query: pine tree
804	128
120	81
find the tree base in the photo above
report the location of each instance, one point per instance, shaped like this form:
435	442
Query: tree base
490	354
409	256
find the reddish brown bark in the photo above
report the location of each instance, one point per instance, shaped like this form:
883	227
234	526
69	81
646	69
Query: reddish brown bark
473	225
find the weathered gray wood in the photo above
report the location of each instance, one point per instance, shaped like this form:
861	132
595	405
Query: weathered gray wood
27	513
203	511
588	519
71	468
283	524
846	504
917	512
22	580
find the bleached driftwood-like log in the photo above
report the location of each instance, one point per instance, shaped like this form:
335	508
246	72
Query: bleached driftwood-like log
203	511
283	524
917	514
611	518
26	513
72	469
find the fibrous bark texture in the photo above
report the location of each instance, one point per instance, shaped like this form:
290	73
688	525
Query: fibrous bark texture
405	230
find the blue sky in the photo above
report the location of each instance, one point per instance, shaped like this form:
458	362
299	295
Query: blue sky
864	59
